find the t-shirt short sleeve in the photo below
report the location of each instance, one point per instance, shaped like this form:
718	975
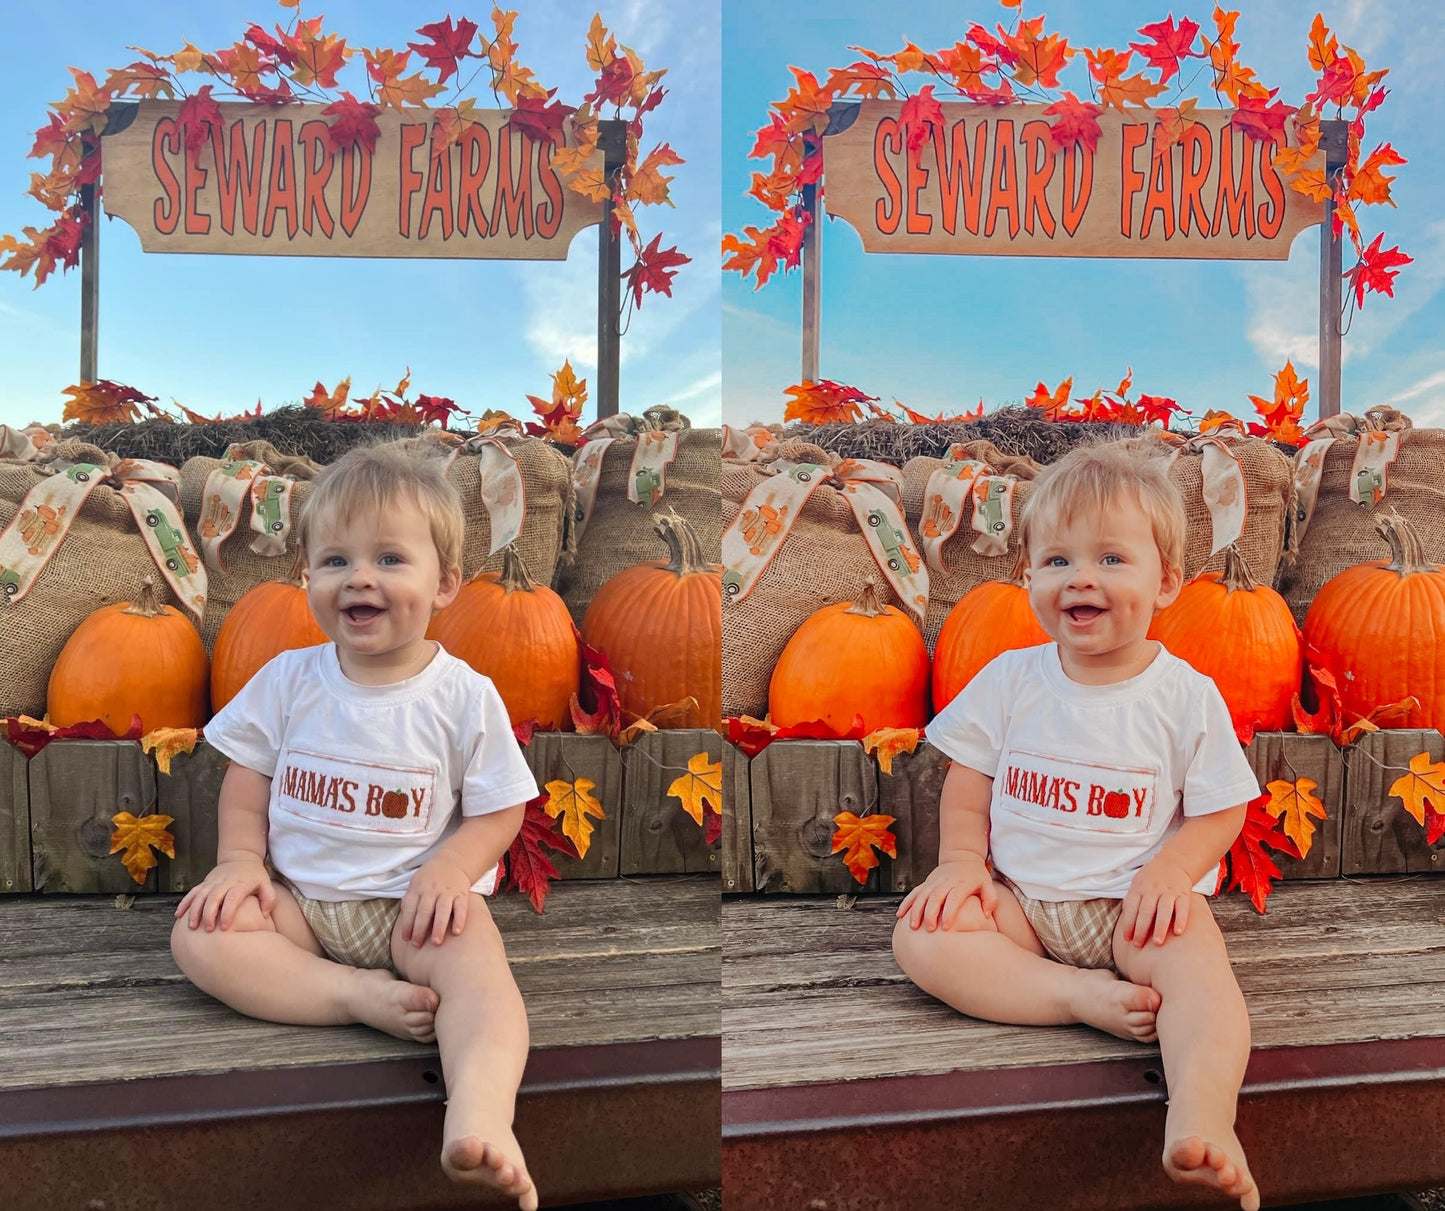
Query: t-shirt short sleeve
1218	775
496	775
970	729
249	728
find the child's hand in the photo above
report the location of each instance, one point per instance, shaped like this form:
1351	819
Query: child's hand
1160	894
436	897
936	902
221	893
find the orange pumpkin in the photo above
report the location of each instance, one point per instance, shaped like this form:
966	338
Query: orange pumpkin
128	659
1380	629
519	634
990	619
1242	636
850	659
272	618
661	627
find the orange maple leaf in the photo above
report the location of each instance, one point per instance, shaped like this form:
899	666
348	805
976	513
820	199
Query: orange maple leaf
1053	404
103	403
1171	125
806	106
1370	185
824	402
1295	803
138	836
889	742
85	105
1040	56
574	802
858	837
1323	47
1422	791
330	404
700	787
167	742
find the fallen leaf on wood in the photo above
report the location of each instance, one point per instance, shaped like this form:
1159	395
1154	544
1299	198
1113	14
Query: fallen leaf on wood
138	836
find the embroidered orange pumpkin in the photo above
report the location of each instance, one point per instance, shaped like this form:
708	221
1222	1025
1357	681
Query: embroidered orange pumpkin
1242	636
519	634
850	659
661	627
271	618
129	659
1380	629
990	619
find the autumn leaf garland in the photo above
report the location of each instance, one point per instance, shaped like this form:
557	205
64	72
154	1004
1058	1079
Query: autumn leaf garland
302	63
1023	64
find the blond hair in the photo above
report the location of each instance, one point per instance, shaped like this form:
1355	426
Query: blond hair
369	478
1091	477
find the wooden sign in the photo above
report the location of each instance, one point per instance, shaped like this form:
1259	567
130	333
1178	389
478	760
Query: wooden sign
990	181
267	182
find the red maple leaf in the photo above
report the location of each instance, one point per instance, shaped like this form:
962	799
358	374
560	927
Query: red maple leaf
198	114
1250	868
920	115
355	123
1158	408
525	730
30	740
987	43
436	408
1078	123
1168	44
1260	120
529	870
446	46
540	121
613	85
754	735
1376	270
267	45
654	270
596	708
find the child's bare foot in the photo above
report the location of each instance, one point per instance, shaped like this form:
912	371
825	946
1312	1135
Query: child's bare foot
407	1011
491	1159
1113	1005
1213	1158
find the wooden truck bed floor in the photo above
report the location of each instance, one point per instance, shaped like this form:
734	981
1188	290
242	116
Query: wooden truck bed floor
846	1087
122	1086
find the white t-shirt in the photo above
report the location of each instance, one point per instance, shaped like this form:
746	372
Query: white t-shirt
366	779
1089	781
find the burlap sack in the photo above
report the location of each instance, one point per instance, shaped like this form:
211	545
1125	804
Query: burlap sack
102	560
244	569
824	560
964	568
619	532
1341	533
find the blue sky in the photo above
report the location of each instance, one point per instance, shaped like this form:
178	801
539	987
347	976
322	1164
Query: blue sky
941	332
221	332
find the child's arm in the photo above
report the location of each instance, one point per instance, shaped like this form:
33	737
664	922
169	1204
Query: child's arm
240	869
1161	891
962	870
439	892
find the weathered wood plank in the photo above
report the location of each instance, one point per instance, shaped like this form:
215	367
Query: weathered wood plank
737	814
910	794
658	836
798	787
566	757
191	794
1287	756
14	821
799	974
76	786
1380	836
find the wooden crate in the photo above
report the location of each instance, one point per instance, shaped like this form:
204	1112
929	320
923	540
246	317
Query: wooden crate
1287	756
737	814
910	795
798	787
14	821
658	836
191	795
1380	836
567	757
76	786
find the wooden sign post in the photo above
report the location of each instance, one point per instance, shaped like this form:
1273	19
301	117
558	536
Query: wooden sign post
990	182
267	181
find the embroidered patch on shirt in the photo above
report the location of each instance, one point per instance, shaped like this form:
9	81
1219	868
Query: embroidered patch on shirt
354	794
1076	794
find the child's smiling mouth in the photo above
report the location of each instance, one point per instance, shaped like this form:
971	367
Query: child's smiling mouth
360	615
1084	613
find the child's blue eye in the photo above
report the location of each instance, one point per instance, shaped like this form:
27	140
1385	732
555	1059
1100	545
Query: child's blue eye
1058	561
335	561
1110	560
391	559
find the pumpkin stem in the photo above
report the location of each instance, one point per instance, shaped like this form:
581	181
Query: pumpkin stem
148	601
869	604
684	546
1407	552
1236	572
514	578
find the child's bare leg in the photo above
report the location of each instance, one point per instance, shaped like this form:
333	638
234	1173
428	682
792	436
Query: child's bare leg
996	970
273	968
1204	1038
481	1027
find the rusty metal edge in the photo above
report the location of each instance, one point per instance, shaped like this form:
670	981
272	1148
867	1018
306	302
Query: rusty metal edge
213	1097
883	1101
